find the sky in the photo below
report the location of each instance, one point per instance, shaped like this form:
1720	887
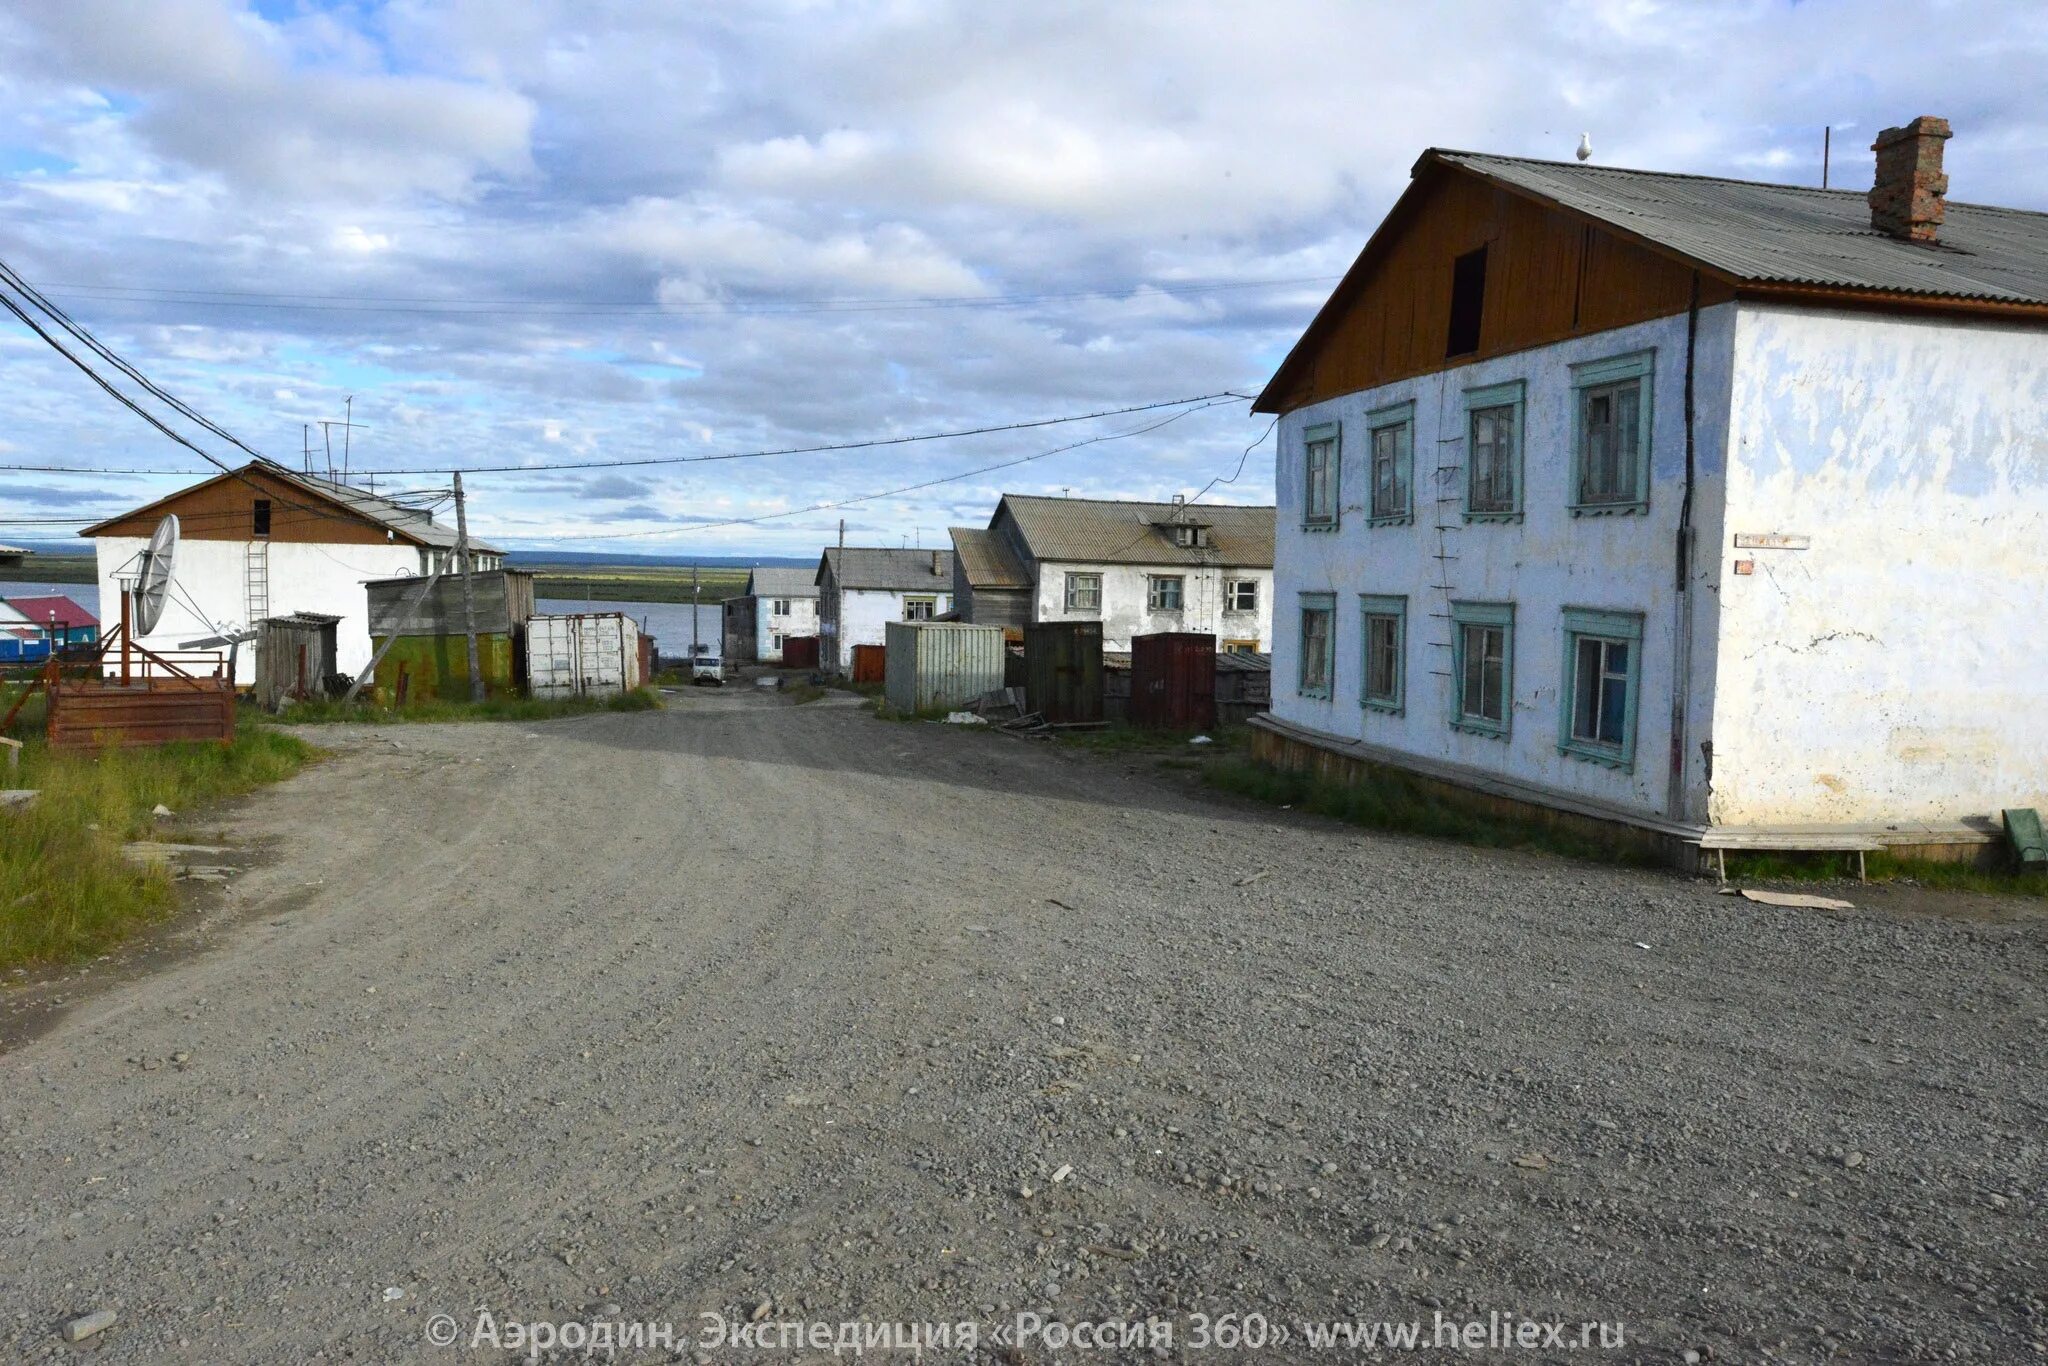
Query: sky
535	232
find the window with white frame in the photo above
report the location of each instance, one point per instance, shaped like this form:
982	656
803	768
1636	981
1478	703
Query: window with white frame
1084	592
775	641
1603	656
1318	632
1393	464
780	607
1241	595
920	609
1385	643
1163	592
1482	666
1611	435
1321	466
1493	453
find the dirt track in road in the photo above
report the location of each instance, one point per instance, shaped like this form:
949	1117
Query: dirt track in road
647	1016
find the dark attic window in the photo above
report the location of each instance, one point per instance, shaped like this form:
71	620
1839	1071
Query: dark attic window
1468	301
262	517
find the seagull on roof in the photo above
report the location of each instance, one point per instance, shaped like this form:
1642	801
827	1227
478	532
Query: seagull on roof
1585	147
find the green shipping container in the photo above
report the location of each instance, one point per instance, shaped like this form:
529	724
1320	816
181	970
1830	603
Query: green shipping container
417	668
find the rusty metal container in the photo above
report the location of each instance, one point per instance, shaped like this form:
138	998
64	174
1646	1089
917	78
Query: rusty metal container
934	665
800	652
1063	670
870	663
90	713
1173	681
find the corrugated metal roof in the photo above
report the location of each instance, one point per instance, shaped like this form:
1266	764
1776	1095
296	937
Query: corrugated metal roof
897	571
985	560
413	522
774	581
1104	532
1791	234
38	610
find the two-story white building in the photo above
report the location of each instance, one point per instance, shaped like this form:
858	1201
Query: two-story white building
860	591
1711	509
267	541
1139	568
778	603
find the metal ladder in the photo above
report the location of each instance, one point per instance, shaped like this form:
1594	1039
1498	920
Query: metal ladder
256	581
1447	493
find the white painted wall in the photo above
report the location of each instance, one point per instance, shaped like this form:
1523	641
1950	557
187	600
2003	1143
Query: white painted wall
303	578
864	617
800	620
1125	597
1897	669
1549	561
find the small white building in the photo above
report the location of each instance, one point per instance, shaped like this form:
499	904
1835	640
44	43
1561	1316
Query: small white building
267	541
1714	509
860	591
778	603
1138	568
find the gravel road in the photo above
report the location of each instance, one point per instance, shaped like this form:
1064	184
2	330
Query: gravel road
745	1008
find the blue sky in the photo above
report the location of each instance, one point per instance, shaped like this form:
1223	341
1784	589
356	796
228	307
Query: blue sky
530	231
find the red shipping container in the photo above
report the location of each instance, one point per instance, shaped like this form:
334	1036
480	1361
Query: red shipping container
1173	681
799	652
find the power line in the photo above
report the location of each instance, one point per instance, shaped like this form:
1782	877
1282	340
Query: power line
681	527
642	462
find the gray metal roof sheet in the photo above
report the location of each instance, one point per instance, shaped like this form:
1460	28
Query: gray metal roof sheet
775	581
1792	234
985	560
414	522
900	571
1105	532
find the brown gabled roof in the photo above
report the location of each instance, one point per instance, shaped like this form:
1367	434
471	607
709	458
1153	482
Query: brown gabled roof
985	560
409	524
1759	237
1100	531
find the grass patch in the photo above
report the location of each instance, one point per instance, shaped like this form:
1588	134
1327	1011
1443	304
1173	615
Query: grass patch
1394	802
325	712
1883	867
800	693
1119	738
65	891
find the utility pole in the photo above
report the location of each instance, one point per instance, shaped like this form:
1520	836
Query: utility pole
693	614
476	677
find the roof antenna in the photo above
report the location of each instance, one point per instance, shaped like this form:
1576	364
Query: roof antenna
1827	138
1585	152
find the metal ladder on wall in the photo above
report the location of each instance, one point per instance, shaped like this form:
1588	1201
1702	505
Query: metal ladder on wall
1447	493
256	581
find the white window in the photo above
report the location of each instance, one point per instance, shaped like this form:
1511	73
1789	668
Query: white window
781	607
920	609
1241	595
1084	592
1319	477
1163	592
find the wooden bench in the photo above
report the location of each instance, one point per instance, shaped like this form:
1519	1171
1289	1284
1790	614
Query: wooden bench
1789	842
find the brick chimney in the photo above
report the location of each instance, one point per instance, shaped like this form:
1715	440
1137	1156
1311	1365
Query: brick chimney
1907	200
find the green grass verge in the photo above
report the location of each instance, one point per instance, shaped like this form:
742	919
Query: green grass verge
1392	802
490	709
65	891
1828	867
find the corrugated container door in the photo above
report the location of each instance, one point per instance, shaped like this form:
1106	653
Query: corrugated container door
1173	681
1063	670
899	667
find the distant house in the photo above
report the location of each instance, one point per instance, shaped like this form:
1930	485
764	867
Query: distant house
11	556
860	591
1138	568
777	604
1709	508
50	619
268	541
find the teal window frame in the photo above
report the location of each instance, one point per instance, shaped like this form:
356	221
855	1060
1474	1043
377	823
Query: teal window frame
1394	416
1381	605
1638	367
1082	584
1511	395
1333	433
1326	603
1589	623
1500	616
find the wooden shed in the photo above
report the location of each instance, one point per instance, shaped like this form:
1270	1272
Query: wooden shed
295	658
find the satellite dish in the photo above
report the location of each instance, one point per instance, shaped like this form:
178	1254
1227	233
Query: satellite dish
153	579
